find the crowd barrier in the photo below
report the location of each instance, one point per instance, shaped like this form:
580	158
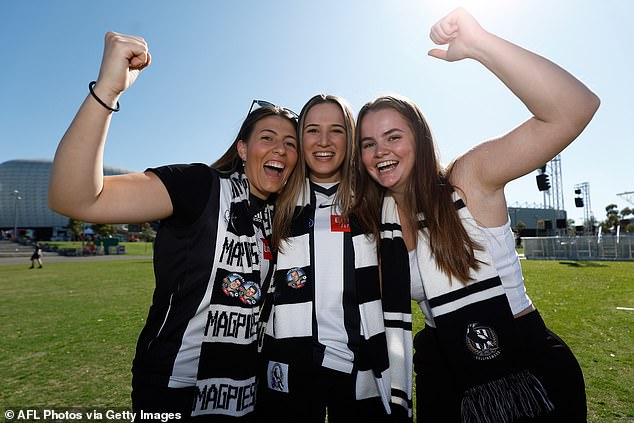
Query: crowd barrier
606	247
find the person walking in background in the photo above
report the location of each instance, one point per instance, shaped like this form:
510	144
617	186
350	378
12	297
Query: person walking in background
196	356
324	351
36	257
485	354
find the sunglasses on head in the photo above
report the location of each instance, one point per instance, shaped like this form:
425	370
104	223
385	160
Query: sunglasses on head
264	103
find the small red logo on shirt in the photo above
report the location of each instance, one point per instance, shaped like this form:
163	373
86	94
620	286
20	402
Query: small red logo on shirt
266	249
339	224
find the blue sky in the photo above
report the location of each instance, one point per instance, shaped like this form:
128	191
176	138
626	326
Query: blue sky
211	58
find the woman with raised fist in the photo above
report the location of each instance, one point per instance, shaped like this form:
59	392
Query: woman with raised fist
196	356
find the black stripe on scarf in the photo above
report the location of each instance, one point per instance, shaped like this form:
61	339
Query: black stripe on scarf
396	301
464	292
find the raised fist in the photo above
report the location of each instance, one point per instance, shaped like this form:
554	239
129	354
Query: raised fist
460	32
124	57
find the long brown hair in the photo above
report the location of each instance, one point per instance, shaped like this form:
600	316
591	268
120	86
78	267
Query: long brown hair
429	192
287	200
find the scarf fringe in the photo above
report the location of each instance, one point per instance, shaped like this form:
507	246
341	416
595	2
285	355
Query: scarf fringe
506	399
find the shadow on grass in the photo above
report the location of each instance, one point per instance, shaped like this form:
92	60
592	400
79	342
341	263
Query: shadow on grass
583	264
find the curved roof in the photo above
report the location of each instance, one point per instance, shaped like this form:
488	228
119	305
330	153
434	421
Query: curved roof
30	179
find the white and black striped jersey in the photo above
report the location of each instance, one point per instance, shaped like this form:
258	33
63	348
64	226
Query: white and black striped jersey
326	304
211	258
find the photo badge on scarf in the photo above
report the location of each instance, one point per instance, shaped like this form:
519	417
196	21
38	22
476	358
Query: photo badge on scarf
296	277
234	285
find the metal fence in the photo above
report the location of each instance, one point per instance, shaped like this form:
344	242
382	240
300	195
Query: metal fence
606	247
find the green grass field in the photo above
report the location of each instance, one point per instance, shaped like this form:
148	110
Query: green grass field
69	330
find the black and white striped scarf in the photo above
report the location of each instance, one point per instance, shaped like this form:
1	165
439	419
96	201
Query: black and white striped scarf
227	368
288	342
397	311
474	323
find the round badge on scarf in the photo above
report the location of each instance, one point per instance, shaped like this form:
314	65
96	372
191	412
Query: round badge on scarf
482	341
232	285
250	293
296	277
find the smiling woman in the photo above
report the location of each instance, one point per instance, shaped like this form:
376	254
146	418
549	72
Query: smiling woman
317	339
485	353
211	254
324	142
388	132
269	156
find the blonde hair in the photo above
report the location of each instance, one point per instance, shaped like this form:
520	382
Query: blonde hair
287	200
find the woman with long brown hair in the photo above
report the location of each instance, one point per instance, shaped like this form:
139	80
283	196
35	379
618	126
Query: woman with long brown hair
196	355
485	354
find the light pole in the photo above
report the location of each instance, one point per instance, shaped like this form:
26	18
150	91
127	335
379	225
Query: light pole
16	194
83	235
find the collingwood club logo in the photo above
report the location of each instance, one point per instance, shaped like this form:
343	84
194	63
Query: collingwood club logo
482	341
277	376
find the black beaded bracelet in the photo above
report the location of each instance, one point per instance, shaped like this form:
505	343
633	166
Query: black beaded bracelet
90	87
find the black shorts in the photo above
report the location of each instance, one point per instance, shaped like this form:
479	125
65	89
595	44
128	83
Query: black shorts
324	391
154	400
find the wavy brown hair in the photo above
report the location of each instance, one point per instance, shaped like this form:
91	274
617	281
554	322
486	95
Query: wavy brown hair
429	192
287	200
